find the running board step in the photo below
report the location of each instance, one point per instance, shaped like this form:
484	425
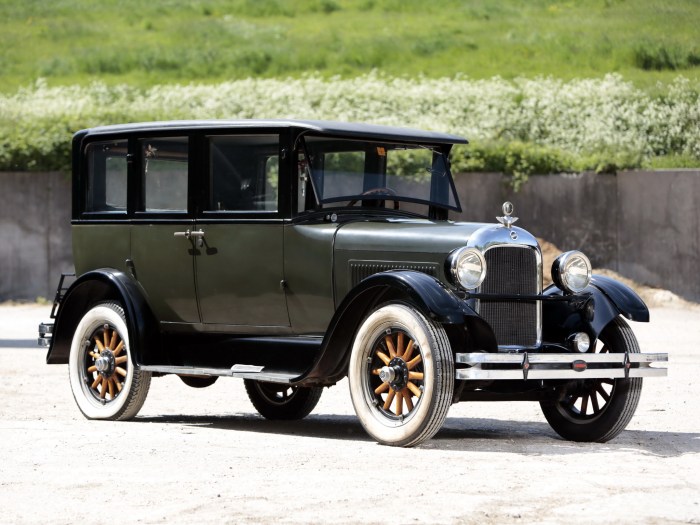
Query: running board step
258	373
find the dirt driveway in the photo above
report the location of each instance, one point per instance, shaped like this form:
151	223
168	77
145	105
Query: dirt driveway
205	456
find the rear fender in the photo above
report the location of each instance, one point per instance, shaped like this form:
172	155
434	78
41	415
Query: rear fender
98	286
424	292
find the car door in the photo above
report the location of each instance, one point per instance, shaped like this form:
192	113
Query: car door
239	258
162	244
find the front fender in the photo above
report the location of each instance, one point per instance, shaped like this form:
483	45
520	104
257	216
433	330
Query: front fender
626	300
105	284
426	293
592	309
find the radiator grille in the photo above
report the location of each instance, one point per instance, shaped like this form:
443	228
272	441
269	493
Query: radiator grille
512	270
362	269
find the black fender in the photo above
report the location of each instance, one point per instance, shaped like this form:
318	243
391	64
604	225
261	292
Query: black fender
426	293
104	284
592	309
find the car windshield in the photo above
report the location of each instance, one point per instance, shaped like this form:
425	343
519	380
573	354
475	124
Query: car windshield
351	171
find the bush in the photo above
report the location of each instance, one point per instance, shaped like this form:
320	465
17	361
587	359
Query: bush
520	127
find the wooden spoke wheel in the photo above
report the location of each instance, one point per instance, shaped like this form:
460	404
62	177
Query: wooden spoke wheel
103	377
401	375
598	409
396	374
282	402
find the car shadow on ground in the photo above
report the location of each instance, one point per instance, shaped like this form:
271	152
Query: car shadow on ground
458	434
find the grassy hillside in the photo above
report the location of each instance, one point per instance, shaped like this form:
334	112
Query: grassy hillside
143	43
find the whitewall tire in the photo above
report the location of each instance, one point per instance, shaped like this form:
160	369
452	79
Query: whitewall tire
401	375
104	379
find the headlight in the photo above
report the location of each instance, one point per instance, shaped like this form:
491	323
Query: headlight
467	268
571	271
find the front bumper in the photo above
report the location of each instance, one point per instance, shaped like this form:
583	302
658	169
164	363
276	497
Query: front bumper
484	366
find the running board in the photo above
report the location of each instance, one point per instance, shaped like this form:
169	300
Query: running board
255	372
484	366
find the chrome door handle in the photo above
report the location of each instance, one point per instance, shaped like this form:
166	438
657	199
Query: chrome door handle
189	234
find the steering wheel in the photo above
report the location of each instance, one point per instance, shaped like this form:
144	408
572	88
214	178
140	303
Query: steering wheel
378	191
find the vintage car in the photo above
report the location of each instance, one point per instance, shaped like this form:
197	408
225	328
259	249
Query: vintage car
292	254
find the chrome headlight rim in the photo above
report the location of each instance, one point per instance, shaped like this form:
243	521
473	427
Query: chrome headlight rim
461	256
563	276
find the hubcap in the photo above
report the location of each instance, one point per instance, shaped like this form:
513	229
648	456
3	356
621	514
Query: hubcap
105	363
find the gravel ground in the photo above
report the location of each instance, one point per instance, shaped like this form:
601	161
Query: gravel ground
205	456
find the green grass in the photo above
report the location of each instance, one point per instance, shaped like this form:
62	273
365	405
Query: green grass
143	43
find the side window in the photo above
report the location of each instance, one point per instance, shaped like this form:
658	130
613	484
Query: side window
243	173
164	164
106	176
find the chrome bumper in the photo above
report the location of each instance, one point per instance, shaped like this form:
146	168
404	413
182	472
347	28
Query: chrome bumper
525	366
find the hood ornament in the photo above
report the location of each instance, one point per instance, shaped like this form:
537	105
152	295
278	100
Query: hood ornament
507	220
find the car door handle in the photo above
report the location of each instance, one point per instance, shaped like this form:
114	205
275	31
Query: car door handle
189	234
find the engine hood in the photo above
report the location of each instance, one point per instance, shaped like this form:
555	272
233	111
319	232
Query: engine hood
405	236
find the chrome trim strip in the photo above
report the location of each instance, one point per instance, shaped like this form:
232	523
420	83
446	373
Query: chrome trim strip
549	366
239	371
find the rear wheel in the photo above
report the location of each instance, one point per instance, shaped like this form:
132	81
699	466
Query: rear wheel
598	409
105	381
282	402
401	375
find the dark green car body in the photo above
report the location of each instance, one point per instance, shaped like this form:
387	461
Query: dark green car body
257	249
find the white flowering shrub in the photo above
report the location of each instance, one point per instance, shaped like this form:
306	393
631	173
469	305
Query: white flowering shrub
522	126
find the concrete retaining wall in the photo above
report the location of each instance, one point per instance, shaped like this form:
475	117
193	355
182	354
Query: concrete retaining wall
35	236
645	225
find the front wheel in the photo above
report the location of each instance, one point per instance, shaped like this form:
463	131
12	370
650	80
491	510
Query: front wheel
598	409
105	381
401	375
282	402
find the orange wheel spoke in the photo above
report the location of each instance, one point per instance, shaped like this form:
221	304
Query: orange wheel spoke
113	341
96	382
105	336
381	388
389	399
92	369
118	349
418	376
413	388
94	355
399	404
399	344
103	390
390	346
409	351
111	388
413	362
121	359
385	359
117	383
407	399
119	370
99	344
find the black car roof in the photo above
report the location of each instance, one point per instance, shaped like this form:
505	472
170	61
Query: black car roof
341	129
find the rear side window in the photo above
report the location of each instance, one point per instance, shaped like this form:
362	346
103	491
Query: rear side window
164	164
107	176
244	173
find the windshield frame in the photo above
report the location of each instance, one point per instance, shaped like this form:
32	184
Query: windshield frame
308	146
